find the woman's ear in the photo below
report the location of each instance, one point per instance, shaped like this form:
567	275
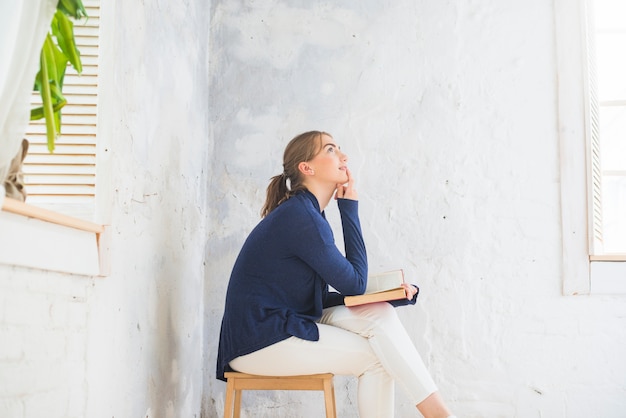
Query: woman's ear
305	169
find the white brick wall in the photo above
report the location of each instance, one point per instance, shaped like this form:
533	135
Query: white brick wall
43	330
130	344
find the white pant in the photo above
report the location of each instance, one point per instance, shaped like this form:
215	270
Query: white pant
366	341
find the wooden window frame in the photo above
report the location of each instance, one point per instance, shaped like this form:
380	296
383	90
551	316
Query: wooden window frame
32	232
583	274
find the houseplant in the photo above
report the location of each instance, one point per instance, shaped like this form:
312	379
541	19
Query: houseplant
58	50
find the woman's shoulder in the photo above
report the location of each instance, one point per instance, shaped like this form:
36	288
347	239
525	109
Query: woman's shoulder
296	213
296	218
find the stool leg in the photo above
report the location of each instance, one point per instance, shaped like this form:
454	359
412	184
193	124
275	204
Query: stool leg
228	406
237	403
329	398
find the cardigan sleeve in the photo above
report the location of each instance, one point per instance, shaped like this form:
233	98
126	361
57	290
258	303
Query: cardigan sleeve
315	245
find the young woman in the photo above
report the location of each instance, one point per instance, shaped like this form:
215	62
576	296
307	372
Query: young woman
280	317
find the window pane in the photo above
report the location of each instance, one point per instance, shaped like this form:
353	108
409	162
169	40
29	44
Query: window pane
610	54
609	14
611	61
613	134
614	213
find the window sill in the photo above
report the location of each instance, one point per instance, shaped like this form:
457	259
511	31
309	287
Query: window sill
608	257
37	238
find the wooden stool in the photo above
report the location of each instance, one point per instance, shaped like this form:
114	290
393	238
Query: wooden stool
236	382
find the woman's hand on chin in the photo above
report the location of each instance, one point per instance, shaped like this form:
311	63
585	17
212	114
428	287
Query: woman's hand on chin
347	190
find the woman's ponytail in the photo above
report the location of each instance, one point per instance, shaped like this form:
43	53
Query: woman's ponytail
277	193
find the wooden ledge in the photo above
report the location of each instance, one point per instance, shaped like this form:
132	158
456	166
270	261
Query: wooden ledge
21	208
608	257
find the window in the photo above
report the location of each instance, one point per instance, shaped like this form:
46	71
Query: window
607	20
65	181
593	262
63	199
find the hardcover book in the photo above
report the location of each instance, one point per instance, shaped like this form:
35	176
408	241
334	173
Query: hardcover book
381	287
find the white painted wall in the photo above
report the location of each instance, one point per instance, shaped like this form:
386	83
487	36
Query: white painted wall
448	112
145	354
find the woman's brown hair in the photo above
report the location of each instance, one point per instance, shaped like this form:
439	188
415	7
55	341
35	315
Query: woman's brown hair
302	148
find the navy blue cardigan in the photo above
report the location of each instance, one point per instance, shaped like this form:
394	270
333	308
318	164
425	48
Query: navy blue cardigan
279	283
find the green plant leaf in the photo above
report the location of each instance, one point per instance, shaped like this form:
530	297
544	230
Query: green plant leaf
73	8
63	29
47	63
57	62
56	65
54	58
37	112
58	101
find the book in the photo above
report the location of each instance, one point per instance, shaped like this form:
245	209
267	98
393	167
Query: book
380	287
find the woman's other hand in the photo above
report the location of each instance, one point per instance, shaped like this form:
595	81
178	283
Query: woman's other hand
410	290
347	190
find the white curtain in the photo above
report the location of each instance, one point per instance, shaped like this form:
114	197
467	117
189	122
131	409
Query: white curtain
23	28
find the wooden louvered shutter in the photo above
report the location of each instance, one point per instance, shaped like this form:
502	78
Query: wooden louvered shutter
64	180
594	168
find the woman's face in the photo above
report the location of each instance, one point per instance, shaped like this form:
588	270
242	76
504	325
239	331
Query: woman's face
329	165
